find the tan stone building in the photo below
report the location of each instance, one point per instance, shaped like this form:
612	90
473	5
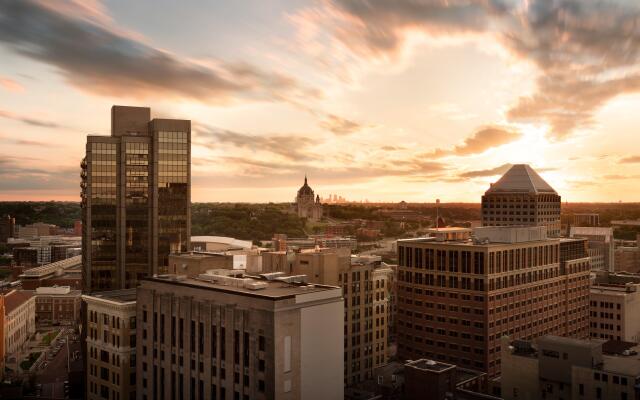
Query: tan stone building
366	290
307	205
456	299
615	310
222	337
57	305
110	345
522	197
19	319
554	368
627	259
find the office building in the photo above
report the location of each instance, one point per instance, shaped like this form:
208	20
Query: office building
553	367
57	305
601	246
110	345
135	198
586	219
19	319
522	197
365	286
226	336
50	274
627	259
457	298
614	308
7	228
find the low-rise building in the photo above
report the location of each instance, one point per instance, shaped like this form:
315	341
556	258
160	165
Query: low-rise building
554	367
217	336
627	259
57	305
43	275
109	345
19	319
615	309
601	246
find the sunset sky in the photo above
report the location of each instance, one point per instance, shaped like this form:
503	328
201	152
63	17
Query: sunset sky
381	100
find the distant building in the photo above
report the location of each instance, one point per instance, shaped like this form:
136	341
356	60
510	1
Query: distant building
59	305
77	228
522	197
586	219
218	243
3	348
553	367
222	337
110	345
136	197
307	205
279	242
19	319
195	263
601	246
51	274
614	308
627	259
7	228
457	298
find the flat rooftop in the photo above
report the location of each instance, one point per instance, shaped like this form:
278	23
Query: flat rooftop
119	296
429	365
274	289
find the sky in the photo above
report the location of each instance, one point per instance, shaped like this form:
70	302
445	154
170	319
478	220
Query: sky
372	99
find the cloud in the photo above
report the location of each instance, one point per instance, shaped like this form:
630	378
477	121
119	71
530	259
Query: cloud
339	125
291	147
630	160
586	52
11	85
29	120
486	172
481	141
14	176
96	57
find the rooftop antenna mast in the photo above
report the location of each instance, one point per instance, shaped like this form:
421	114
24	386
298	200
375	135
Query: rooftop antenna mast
437	214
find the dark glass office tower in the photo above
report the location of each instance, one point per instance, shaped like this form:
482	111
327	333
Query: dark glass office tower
136	194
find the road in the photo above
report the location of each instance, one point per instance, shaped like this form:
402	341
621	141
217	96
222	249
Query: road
53	376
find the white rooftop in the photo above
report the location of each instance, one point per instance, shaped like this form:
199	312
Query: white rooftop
521	178
245	244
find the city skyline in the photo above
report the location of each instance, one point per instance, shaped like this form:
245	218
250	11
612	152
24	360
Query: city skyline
373	100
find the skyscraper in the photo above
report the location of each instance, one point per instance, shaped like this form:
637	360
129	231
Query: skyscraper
522	197
136	196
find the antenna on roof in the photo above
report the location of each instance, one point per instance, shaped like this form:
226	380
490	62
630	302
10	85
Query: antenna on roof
437	214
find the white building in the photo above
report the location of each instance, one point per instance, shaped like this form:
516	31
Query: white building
601	246
19	319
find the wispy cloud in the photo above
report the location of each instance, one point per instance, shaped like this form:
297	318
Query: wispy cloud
586	52
481	173
29	120
11	85
99	58
339	125
630	160
481	141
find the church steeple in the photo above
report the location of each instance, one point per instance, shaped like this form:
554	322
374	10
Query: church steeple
305	178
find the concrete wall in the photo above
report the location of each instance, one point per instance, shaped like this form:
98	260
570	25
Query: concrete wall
321	352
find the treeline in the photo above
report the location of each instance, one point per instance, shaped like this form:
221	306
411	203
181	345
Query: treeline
61	213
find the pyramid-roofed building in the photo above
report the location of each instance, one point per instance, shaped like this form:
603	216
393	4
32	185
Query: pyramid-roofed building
521	178
522	197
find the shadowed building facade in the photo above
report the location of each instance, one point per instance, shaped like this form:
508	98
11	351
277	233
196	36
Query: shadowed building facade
135	197
522	197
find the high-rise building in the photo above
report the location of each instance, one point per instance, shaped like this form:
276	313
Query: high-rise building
522	197
457	298
219	336
366	289
110	345
601	246
135	198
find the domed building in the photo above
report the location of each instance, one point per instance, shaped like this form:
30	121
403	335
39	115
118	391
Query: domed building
307	204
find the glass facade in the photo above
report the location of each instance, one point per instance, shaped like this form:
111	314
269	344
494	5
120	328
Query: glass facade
137	212
103	181
173	194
